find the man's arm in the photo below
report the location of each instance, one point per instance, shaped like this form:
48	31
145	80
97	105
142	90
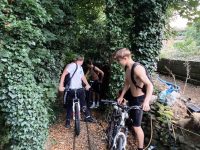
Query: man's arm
125	88
87	74
101	72
86	83
140	72
61	85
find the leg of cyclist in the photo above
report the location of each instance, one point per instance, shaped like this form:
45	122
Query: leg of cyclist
98	95
88	98
93	94
97	100
140	136
93	99
69	108
81	96
136	116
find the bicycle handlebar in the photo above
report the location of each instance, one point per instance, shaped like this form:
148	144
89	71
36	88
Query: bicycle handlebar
124	107
109	101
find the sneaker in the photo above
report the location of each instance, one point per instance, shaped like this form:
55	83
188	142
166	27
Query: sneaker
97	105
89	119
67	124
93	106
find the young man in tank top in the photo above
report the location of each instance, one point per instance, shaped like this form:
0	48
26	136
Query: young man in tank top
96	75
139	98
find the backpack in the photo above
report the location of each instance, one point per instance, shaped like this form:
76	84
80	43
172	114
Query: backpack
67	79
144	89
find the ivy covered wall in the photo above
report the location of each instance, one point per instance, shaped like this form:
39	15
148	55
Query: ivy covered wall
119	21
147	31
137	25
32	44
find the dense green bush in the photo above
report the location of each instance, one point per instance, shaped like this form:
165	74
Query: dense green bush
119	20
30	67
4	132
147	32
22	96
137	25
37	39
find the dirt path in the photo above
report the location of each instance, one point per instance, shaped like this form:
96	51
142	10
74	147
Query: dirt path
61	138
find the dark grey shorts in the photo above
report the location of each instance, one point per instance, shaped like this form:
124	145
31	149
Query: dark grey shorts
135	114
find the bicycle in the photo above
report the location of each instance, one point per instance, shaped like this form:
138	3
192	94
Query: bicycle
76	111
117	130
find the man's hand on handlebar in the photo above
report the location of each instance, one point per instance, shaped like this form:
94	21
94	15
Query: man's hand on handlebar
121	101
145	106
87	87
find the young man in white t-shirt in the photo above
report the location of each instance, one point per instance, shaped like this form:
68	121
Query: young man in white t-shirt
75	83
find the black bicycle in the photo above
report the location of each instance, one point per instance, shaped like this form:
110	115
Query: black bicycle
117	130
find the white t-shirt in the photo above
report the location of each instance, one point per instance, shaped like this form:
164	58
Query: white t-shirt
76	81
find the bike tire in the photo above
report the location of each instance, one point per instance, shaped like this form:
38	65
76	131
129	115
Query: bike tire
110	134
112	129
77	120
120	144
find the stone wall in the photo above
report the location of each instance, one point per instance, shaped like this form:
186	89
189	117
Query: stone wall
178	68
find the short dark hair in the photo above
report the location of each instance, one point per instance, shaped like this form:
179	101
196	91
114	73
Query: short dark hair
89	62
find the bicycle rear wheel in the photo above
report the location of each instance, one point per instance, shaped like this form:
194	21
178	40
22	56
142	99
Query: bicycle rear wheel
77	120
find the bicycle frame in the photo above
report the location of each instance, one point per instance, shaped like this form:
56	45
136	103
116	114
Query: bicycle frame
122	130
119	131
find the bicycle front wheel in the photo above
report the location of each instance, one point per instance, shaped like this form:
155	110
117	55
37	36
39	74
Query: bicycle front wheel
120	144
77	120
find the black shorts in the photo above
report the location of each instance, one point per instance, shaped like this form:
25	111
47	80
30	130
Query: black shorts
135	114
96	86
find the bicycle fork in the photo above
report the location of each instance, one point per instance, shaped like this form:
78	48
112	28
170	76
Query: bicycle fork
76	102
